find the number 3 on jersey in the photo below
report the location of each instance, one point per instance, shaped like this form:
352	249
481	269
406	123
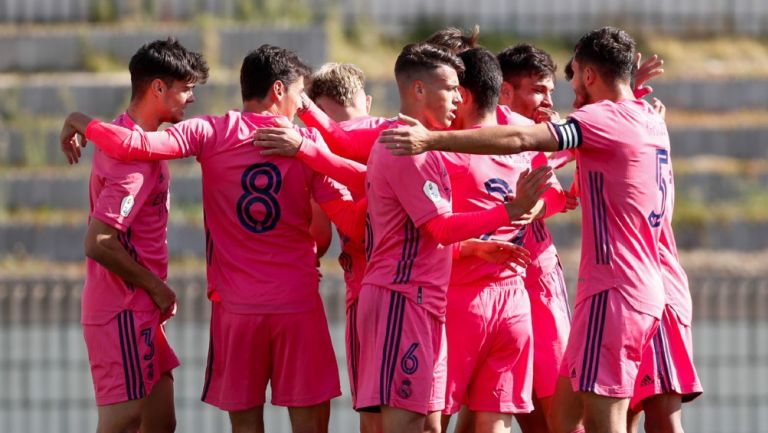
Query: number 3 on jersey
261	183
662	159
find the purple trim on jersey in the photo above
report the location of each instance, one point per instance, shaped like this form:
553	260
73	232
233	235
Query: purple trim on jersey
209	363
589	367
354	346
208	243
568	134
391	346
408	255
599	218
368	237
540	233
134	379
663	363
345	260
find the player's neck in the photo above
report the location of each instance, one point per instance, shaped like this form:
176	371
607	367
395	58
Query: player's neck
415	112
614	93
340	113
143	115
476	118
261	106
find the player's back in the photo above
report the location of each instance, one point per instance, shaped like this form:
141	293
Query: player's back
624	164
480	182
260	253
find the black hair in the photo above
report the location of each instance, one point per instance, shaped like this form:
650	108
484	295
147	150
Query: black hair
482	78
267	64
167	60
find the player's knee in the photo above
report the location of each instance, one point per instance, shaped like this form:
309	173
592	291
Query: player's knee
664	424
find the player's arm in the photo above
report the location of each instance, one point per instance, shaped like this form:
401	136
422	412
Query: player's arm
355	145
103	246
348	216
498	252
287	141
320	228
494	140
449	228
179	141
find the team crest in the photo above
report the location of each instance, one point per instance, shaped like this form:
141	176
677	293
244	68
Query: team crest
126	206
432	191
404	391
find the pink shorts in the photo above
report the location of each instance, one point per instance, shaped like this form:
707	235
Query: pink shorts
128	355
606	343
490	348
667	365
353	349
402	354
249	350
551	318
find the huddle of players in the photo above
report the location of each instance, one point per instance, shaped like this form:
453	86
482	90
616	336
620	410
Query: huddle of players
442	298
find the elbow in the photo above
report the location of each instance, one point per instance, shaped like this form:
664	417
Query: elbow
96	248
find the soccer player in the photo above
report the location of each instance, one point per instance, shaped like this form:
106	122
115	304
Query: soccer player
401	307
622	150
529	79
667	376
488	314
264	320
125	298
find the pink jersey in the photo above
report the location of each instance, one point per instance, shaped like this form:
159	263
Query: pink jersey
259	251
133	198
351	139
480	182
624	171
352	257
538	240
404	192
676	290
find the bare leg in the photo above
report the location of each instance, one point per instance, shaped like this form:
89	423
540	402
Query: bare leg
493	422
663	413
310	419
567	411
633	420
466	422
370	422
159	413
120	418
396	420
534	422
248	421
604	414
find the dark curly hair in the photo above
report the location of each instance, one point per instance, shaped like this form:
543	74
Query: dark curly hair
525	60
454	39
168	60
610	50
482	78
267	64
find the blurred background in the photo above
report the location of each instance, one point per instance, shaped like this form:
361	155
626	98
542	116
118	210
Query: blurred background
62	55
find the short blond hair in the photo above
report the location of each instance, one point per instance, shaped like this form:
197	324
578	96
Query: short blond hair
337	81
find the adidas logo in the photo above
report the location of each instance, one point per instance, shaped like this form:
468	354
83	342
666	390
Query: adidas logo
573	373
647	380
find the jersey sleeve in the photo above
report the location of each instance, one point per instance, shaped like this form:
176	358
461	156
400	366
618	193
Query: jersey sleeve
456	164
421	184
181	140
587	128
123	194
315	154
355	145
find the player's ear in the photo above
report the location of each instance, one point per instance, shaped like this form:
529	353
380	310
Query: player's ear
507	93
157	87
278	90
368	101
418	89
590	75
